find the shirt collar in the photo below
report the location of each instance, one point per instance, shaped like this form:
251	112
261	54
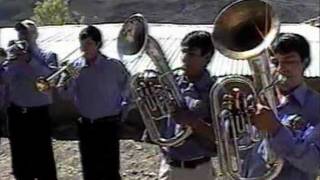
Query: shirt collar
299	94
83	62
204	80
35	50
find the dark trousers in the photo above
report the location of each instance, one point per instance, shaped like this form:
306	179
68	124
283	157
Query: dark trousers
30	141
99	148
1	123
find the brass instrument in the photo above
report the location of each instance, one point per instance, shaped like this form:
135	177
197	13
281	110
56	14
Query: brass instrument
243	30
55	80
16	48
155	92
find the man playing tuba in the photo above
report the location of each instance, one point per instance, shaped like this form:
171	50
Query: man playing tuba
295	131
191	160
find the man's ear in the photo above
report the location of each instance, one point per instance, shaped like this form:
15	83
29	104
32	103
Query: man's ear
207	58
33	34
306	63
99	44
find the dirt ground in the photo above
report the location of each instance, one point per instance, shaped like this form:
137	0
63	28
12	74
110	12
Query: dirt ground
139	161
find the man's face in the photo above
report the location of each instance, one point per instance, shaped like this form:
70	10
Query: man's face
23	34
193	62
289	65
89	47
28	34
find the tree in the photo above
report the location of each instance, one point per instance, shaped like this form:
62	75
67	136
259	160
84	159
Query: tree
52	12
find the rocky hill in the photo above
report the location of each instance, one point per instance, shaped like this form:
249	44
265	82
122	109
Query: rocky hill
164	11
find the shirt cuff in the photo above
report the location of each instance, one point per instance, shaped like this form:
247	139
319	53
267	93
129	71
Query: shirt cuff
193	104
1	69
282	141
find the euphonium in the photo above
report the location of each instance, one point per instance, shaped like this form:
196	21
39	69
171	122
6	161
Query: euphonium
155	92
243	30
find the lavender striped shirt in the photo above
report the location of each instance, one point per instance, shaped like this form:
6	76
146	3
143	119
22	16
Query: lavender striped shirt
193	93
300	148
100	89
21	78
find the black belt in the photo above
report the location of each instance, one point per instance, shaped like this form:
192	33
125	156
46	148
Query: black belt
188	164
25	110
99	120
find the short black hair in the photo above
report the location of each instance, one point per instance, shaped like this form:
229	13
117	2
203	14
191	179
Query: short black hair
93	33
3	52
291	42
201	40
20	27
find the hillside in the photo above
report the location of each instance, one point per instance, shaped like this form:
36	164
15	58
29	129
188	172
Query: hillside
169	11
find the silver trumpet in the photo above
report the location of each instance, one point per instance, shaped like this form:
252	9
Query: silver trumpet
155	92
16	48
243	30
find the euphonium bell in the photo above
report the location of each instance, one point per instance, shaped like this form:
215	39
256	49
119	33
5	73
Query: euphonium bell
245	29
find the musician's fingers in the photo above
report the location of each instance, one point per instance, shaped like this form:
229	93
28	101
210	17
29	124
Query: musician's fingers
262	100
252	110
257	115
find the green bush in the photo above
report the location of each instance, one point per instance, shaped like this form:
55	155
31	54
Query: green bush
52	12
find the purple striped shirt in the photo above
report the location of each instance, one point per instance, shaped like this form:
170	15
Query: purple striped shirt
21	78
300	148
100	89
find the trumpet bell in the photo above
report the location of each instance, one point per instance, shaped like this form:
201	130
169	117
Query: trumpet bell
245	28
42	85
133	36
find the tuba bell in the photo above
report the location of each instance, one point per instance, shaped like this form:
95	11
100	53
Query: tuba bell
155	91
243	30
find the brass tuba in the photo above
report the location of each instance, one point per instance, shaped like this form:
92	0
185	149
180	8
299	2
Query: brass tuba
243	30
155	91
